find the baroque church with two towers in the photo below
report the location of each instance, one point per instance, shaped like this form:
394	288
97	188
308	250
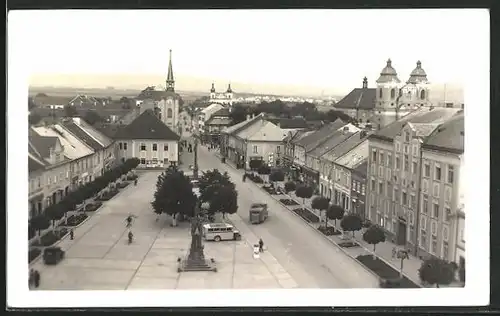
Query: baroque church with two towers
390	100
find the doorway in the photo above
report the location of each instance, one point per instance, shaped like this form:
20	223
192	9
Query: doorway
401	233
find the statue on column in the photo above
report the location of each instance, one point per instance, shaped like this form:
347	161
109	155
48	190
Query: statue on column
196	251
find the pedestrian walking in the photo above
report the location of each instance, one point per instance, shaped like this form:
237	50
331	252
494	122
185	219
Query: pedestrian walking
36	278
71	234
394	251
261	245
135	182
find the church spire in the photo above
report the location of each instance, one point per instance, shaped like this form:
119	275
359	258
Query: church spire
170	75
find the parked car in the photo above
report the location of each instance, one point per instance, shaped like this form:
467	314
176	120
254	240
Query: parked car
52	255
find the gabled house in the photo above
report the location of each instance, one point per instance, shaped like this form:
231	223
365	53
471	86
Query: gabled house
359	103
150	140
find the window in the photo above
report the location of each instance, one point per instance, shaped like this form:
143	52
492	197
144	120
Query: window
407	164
407	137
447	194
61	176
445	233
427	170
434	228
393	93
374	156
373	185
447	214
32	184
380	188
445	250
423	238
278	149
435	190
404	198
143	147
398	163
362	189
388	174
450	174
395	194
169	113
423	223
433	244
462	235
398	148
255	149
380	93
389	160
425	204
411	218
414	168
143	161
165	147
155	147
165	161
437	174
120	145
415	150
381	159
422	95
48	180
411	198
435	210
124	148
381	172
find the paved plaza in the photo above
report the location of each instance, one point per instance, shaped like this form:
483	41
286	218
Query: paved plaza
99	257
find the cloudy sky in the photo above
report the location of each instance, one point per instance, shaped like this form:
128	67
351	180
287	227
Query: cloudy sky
279	50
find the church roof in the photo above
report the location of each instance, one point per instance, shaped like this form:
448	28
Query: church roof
388	74
147	126
358	98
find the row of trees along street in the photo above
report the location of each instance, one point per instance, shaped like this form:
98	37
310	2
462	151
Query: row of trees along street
433	271
280	109
174	194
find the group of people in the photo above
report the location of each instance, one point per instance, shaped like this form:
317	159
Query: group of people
34	278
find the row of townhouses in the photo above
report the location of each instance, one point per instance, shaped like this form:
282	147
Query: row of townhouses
405	177
63	156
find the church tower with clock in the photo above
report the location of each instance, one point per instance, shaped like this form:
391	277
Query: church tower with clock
167	102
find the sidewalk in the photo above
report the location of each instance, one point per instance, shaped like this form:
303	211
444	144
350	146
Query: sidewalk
383	250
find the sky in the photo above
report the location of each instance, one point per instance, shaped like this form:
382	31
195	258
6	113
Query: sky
281	51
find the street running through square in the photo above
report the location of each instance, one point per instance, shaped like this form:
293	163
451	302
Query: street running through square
99	258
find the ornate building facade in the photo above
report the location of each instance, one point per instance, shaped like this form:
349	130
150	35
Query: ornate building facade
224	98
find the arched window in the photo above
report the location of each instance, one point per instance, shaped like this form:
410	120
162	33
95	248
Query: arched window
393	93
409	94
422	94
169	113
380	94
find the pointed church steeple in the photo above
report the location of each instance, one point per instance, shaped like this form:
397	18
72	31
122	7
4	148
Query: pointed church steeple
170	75
213	88
229	90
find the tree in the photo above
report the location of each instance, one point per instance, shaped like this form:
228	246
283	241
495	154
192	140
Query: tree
238	114
304	192
92	117
34	118
174	195
124	100
320	203
70	111
374	235
31	104
224	199
351	223
41	95
210	178
436	271
54	212
277	175
290	186
255	164
39	223
335	212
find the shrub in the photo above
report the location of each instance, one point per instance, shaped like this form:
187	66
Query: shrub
384	271
290	186
75	220
33	254
92	207
264	170
51	238
306	215
288	202
328	231
348	244
304	192
122	185
277	175
255	164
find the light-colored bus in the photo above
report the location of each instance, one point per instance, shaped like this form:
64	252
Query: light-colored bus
220	231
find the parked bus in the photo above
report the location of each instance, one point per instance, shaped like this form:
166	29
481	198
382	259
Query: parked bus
220	231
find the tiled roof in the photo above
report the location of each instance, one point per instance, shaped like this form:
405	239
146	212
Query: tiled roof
329	144
423	129
287	123
312	140
34	164
223	121
362	168
147	126
222	112
158	95
51	100
109	130
343	148
241	125
362	98
211	107
82	135
42	144
102	139
73	147
269	132
422	115
449	135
